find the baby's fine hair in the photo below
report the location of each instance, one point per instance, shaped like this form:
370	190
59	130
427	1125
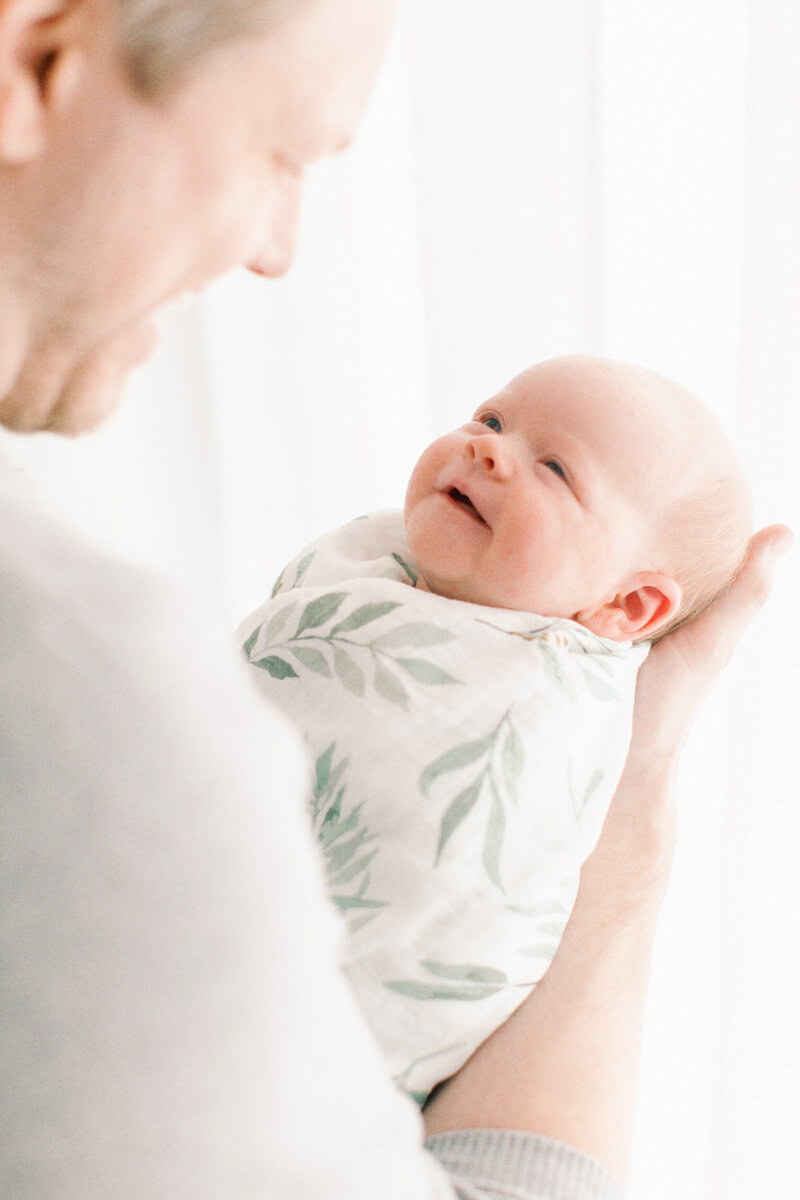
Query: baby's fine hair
705	534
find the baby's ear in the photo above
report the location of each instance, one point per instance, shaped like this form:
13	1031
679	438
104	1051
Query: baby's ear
646	604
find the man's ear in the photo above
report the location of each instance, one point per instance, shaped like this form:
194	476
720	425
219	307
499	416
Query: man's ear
643	606
38	58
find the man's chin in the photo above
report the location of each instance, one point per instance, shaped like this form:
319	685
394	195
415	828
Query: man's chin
85	403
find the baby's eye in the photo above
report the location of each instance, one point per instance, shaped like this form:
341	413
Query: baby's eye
556	467
491	422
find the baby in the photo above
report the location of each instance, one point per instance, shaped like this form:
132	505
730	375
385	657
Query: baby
465	678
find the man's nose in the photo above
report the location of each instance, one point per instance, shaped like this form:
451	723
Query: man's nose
279	240
488	451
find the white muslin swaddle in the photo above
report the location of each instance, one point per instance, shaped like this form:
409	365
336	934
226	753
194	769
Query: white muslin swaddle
464	759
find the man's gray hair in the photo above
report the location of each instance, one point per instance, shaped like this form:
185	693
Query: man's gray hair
163	38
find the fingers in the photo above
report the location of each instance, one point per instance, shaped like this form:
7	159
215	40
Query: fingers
752	586
711	639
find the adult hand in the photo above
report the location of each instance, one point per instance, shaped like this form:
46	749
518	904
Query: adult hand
682	667
680	670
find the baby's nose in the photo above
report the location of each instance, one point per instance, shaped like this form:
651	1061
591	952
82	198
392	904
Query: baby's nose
487	452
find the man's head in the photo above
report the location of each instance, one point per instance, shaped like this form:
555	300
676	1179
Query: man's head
147	146
587	489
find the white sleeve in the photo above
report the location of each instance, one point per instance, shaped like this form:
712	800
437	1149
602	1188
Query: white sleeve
171	1020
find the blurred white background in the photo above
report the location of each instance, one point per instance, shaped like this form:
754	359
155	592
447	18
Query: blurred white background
533	178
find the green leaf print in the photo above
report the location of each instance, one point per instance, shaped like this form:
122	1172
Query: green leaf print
349	673
460	808
551	928
277	667
402	1080
464	971
602	662
497	780
333	827
545	950
277	623
596	779
312	659
341	855
416	633
513	760
389	686
425	672
347	903
364	615
323	767
555	668
344	837
412	575
339	653
493	841
359	922
268	631
432	991
247	648
598	687
302	568
348	874
452	760
318	611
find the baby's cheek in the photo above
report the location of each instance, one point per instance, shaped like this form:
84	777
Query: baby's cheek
426	475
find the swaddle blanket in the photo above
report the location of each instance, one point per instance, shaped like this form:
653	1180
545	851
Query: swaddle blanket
464	758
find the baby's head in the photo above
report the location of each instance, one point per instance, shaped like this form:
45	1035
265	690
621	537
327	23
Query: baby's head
588	489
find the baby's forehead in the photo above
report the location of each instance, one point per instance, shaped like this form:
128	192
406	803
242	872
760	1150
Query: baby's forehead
596	384
586	392
635	421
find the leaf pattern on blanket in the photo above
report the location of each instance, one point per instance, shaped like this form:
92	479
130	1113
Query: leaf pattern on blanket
548	921
559	654
330	641
299	575
452	981
344	838
500	757
593	783
405	1079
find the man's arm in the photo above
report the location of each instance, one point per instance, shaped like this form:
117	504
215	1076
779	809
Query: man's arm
566	1063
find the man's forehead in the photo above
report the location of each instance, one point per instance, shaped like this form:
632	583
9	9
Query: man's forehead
319	68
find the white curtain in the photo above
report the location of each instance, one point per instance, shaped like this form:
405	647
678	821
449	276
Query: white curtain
533	178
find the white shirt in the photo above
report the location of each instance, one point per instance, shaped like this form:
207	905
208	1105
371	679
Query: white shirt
171	1020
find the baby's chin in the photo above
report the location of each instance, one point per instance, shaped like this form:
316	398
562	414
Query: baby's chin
469	592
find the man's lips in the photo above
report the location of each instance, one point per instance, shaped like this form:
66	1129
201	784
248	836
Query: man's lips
463	502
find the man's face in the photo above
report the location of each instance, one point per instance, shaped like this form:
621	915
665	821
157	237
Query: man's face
147	199
545	500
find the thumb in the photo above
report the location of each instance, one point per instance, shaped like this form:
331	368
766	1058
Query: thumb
716	633
753	584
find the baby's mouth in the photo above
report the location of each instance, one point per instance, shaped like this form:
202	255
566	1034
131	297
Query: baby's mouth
465	504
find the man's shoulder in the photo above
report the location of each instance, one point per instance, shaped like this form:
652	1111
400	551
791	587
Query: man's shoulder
106	668
63	593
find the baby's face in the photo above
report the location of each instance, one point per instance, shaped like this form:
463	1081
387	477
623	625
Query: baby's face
544	501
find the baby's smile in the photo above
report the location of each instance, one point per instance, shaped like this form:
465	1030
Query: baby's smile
465	504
